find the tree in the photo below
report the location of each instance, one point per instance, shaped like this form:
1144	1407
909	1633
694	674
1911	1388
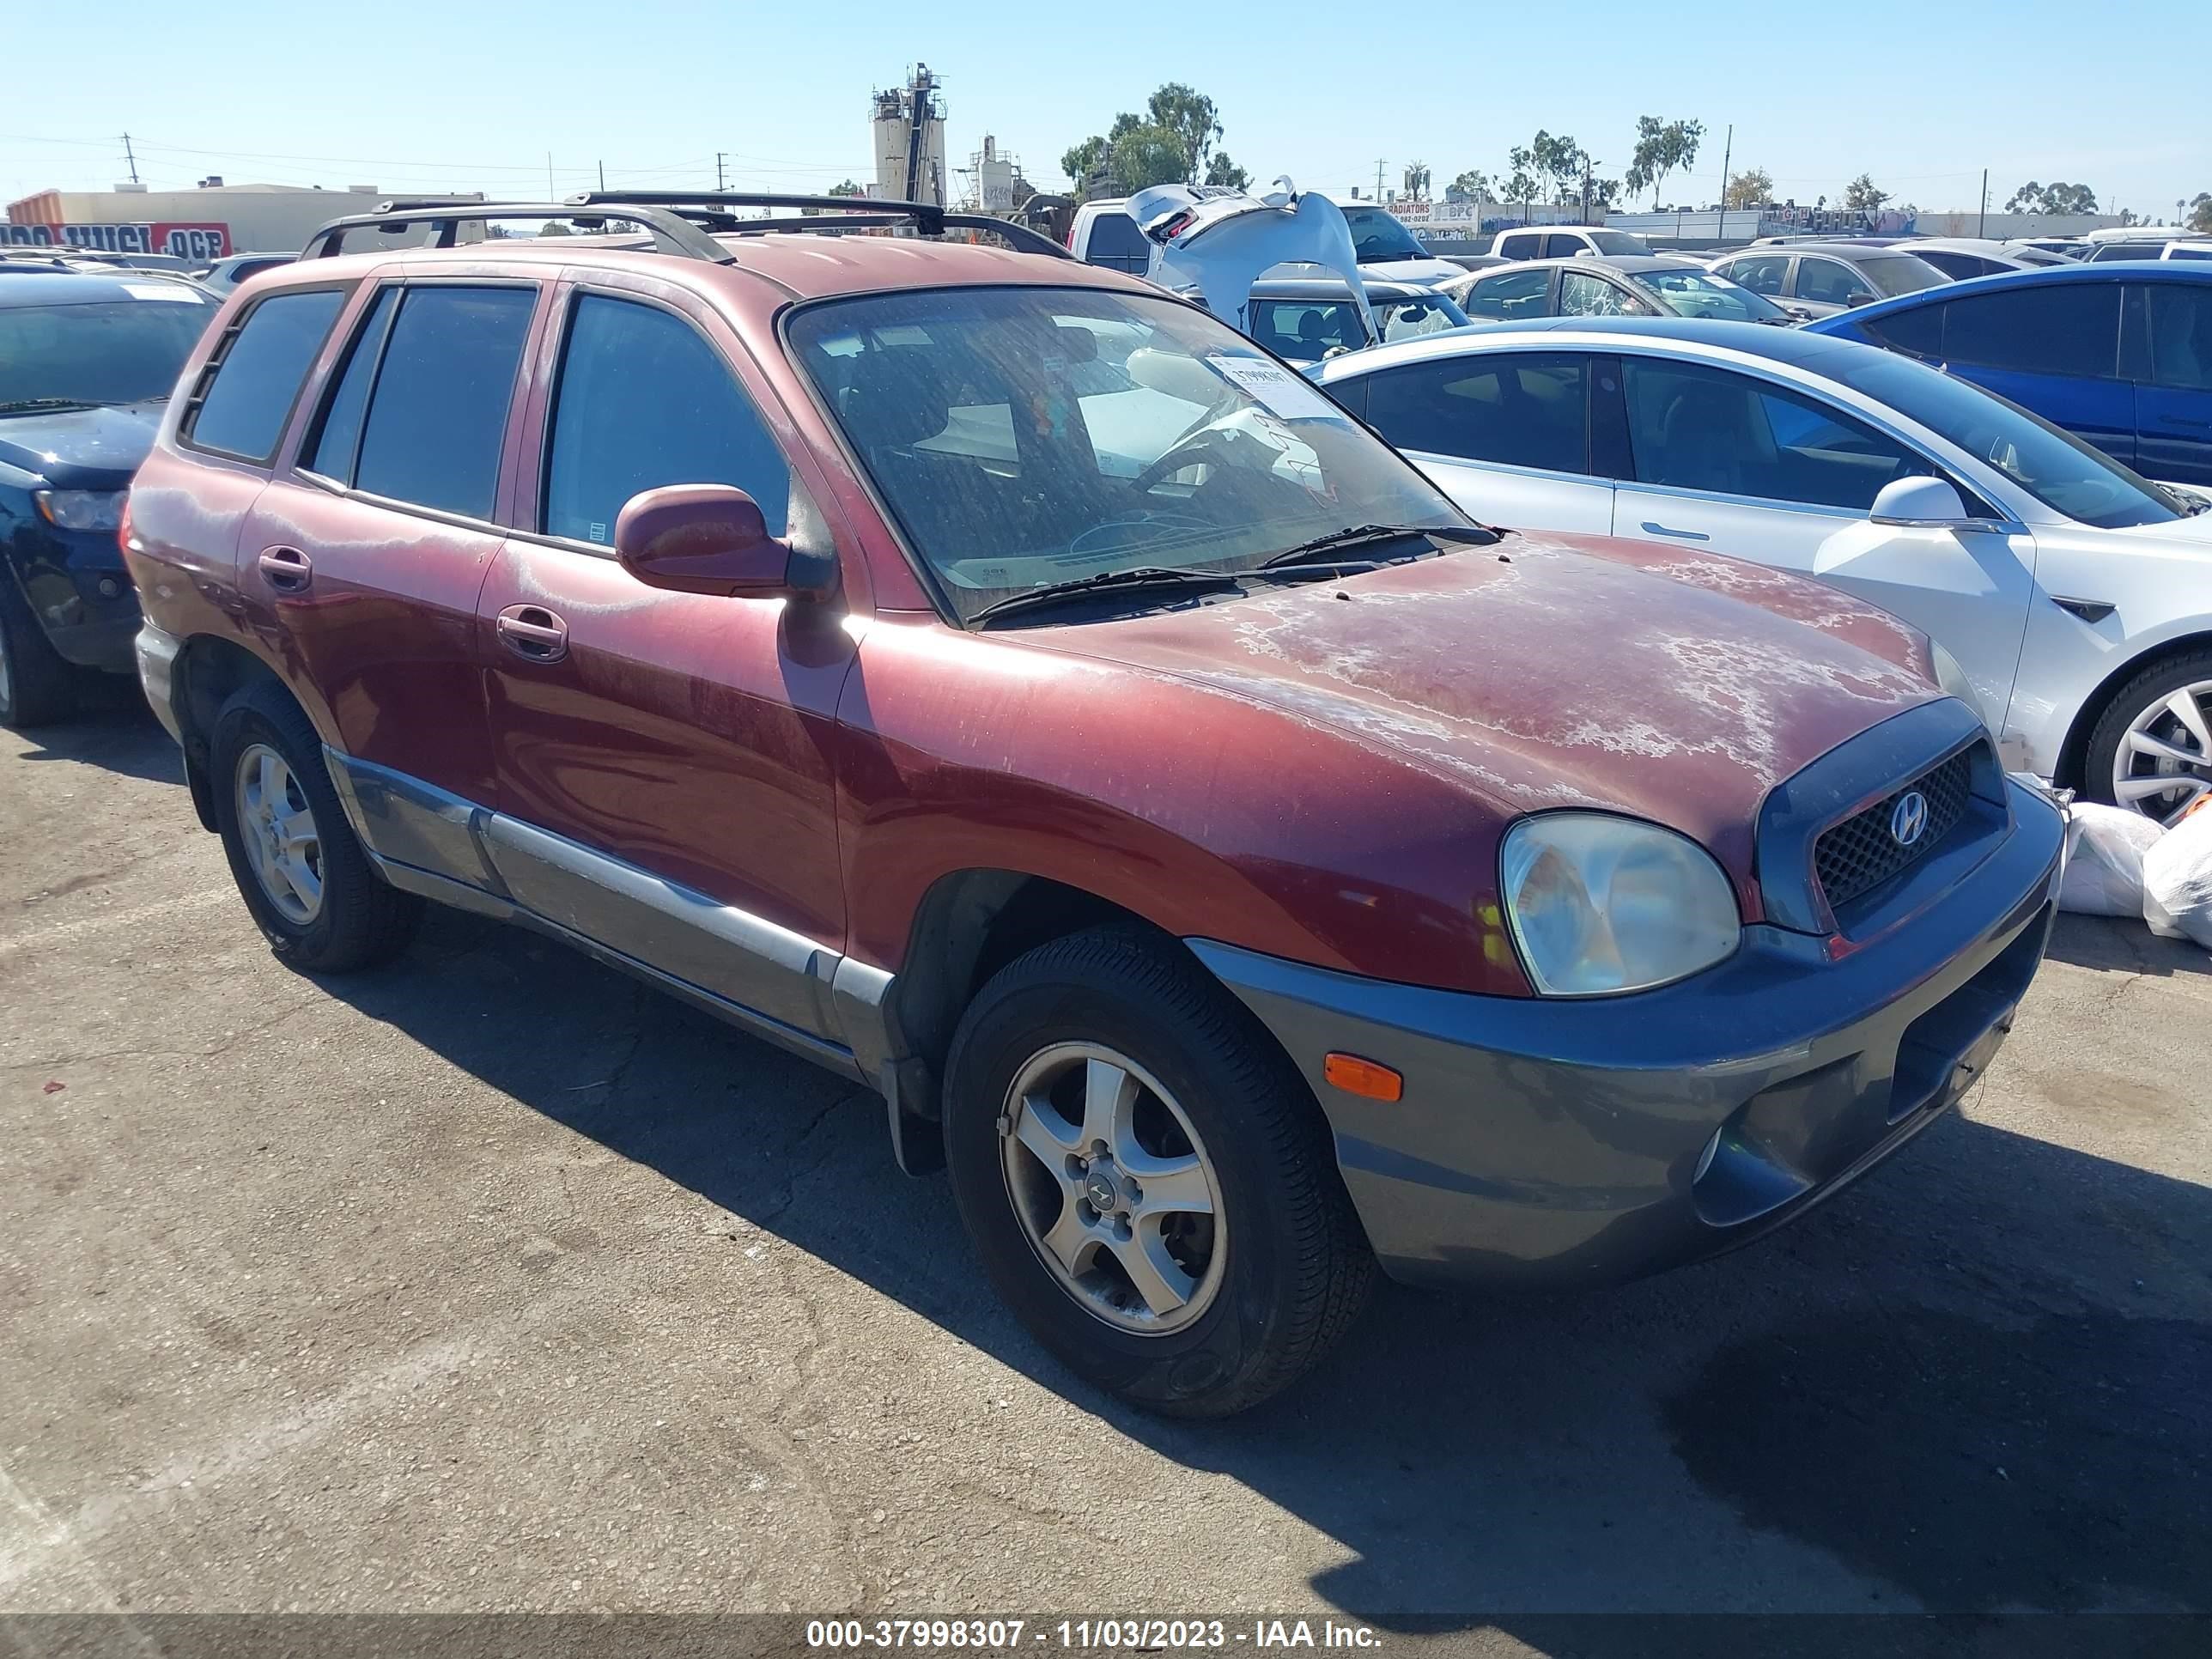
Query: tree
1143	156
1172	141
1220	170
2200	213
1191	119
848	188
1474	184
1860	195
2053	198
1415	179
1661	149
1521	184
1085	162
1752	187
1561	161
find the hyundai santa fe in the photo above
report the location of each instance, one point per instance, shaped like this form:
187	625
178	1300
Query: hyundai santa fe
999	681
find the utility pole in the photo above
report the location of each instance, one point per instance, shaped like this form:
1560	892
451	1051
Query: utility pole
1728	149
603	175
1981	220
720	156
130	158
1378	178
548	175
1586	186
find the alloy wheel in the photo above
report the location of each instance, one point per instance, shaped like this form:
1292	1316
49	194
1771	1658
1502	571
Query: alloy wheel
1113	1187
276	826
2164	761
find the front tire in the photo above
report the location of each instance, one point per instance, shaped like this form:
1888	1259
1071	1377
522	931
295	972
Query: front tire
2151	749
37	688
313	892
1146	1177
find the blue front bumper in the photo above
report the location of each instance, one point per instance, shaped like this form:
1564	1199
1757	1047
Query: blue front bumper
1580	1142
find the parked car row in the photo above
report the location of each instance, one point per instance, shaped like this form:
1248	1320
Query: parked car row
1002	682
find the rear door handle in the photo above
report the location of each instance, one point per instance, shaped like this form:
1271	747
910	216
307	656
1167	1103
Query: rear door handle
533	633
1651	529
287	569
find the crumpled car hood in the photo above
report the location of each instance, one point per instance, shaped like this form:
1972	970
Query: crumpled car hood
1551	671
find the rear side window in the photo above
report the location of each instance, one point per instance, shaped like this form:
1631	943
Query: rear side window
1516	245
645	400
2181	336
249	388
1518	409
2058	328
1116	243
438	414
1563	248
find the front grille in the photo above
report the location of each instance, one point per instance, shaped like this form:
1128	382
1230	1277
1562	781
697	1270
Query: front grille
1857	855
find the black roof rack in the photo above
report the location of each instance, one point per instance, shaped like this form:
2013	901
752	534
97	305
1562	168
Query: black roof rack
682	222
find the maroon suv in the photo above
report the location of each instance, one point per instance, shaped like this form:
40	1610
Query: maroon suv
1000	682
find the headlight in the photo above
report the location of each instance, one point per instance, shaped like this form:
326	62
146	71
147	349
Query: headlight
81	509
1953	678
1599	903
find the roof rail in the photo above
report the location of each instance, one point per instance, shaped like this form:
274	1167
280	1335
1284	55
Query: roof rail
864	213
676	234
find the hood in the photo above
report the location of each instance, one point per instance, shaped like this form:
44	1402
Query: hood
1415	273
1218	242
96	448
1550	672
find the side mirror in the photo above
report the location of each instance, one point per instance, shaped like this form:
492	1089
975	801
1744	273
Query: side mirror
1858	297
1919	503
706	538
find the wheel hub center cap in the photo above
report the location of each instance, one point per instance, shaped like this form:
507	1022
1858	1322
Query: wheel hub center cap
1098	1187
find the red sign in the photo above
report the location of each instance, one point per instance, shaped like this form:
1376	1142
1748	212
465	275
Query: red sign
206	241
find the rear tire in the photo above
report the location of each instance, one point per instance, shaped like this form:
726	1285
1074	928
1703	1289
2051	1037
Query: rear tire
313	893
2143	705
1248	1222
36	687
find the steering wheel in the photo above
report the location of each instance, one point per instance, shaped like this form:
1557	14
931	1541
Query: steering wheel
1166	523
1186	452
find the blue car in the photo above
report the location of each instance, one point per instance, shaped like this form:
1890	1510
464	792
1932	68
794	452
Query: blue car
2119	353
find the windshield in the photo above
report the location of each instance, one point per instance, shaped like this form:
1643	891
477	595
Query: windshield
1024	437
1898	273
1617	241
121	351
1377	234
1689	292
2054	467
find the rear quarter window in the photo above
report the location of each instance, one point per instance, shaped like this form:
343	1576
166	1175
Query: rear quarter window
245	393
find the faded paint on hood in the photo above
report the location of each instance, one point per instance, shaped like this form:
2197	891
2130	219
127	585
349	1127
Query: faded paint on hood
1551	671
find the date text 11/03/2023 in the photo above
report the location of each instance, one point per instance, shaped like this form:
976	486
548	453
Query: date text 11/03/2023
1013	1635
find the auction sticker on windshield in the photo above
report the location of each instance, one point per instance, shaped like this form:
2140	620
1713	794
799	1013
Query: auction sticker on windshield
174	291
1276	389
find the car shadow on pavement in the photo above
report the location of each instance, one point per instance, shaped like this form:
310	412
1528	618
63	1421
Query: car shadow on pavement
1975	1382
2124	945
113	730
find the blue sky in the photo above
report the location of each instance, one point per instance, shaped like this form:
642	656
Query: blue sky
413	96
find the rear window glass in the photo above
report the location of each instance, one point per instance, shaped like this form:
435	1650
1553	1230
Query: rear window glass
242	411
439	413
1116	243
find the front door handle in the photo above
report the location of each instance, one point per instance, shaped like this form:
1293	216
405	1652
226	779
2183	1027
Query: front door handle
533	633
287	569
1651	529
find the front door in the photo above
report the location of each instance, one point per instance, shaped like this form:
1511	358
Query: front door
665	779
366	555
1505	435
1742	466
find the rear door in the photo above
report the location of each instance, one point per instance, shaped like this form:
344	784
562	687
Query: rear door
2173	390
1740	466
678	744
2051	347
364	557
1505	435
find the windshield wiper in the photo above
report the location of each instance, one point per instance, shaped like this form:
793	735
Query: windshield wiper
1137	576
15	405
1367	535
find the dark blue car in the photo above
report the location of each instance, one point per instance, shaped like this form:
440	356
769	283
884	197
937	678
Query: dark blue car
86	360
2119	353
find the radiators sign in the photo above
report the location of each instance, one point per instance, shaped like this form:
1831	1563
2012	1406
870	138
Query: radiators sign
201	241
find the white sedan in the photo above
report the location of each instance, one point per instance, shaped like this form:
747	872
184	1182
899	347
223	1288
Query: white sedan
2075	596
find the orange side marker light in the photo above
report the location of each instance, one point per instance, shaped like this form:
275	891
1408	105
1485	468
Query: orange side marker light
1369	1077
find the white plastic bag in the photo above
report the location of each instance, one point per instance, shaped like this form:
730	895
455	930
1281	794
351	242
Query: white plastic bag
2178	881
2104	850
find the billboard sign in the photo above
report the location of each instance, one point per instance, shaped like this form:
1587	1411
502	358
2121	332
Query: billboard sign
203	240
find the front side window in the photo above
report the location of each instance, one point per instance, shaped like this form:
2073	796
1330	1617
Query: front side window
1559	246
1510	295
2050	328
121	351
1014	451
1690	293
1408	319
1708	429
1582	294
438	414
1831	282
1306	331
259	371
2181	336
1511	409
1893	274
1761	275
645	400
